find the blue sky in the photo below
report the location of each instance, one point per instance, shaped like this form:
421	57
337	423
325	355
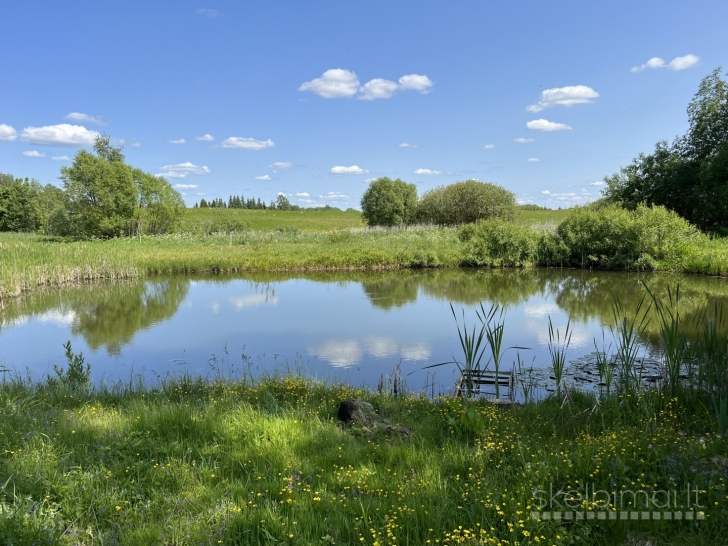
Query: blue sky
313	99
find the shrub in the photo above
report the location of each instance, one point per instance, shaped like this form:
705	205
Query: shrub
389	202
466	202
500	243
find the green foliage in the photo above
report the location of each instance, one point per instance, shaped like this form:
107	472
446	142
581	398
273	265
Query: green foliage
499	243
20	206
77	376
466	202
689	176
389	203
108	198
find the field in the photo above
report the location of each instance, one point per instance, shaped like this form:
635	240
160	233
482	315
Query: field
267	462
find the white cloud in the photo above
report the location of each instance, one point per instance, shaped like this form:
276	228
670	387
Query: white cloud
678	63
282	165
33	153
546	125
61	158
338	83
378	88
533	160
546	192
264	177
597	183
334	196
303	194
681	63
7	133
421	351
182	169
489	146
246	143
186	186
415	82
568	198
211	13
522	140
354	169
407	145
564	96
59	135
427	171
333	84
134	143
180	141
85	118
206	138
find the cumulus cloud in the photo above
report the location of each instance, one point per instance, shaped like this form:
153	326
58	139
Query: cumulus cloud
206	138
59	135
264	177
211	13
340	353
61	158
186	186
427	171
678	63
546	192
338	83
489	146
246	143
134	143
407	145
597	183
282	165
302	194
181	170
546	125
180	141
335	83
522	140
85	118
564	96
354	169
533	160
334	196
33	153
378	89
415	82
7	133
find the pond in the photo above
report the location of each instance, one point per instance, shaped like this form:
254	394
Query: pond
351	326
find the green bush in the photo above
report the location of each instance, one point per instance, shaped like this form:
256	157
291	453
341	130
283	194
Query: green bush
500	243
466	202
389	202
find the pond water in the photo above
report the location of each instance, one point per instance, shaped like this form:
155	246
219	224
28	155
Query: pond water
349	326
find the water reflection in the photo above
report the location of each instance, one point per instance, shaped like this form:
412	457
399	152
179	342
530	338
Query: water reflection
344	318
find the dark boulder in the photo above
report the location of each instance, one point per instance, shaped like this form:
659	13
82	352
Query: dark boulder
356	411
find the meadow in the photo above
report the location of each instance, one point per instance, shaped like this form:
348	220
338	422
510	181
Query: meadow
215	461
232	240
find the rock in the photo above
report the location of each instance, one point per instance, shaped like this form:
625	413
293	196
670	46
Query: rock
356	411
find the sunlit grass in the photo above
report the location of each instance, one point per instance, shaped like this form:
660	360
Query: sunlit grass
226	462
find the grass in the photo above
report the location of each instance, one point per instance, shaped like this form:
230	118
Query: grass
252	462
198	220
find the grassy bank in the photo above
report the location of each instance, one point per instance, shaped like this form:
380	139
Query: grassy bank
194	462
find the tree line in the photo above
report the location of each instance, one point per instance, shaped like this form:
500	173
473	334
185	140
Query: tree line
102	196
240	202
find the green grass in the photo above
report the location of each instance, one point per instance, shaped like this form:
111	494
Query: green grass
196	220
541	218
266	462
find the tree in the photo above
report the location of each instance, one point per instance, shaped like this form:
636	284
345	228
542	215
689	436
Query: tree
466	202
108	198
282	202
689	176
389	203
20	204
